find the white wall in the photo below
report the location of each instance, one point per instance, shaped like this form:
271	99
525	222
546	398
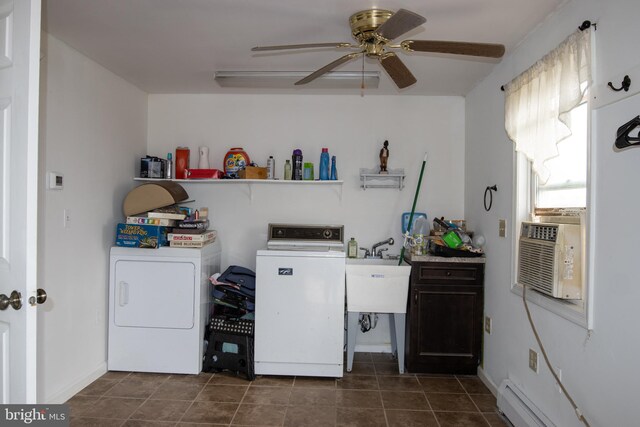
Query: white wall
599	369
93	127
352	127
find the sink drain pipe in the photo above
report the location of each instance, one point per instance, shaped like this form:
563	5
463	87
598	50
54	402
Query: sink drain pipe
368	321
413	208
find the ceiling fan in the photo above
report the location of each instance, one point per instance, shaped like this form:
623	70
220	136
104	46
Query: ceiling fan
374	29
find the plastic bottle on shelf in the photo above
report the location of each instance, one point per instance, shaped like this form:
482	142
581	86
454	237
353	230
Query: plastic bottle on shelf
287	170
182	162
334	172
168	172
271	168
352	248
324	164
296	160
307	172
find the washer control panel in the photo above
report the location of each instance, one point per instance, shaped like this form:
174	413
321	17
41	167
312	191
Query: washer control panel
327	234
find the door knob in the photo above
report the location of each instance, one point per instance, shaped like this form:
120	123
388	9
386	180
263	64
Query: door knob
14	300
39	299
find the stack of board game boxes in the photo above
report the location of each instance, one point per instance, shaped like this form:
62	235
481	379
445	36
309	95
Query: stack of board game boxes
175	226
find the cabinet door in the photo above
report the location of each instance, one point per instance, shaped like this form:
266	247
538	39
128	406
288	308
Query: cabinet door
446	328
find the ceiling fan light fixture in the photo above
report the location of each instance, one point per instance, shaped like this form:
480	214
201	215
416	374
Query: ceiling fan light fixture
286	79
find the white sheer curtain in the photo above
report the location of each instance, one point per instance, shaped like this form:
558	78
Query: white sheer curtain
538	100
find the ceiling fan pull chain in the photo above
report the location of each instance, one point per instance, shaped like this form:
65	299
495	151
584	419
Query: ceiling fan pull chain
362	83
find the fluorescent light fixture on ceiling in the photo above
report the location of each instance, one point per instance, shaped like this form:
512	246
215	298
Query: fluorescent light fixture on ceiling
287	79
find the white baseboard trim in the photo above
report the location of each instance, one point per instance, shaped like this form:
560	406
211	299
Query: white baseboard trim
72	389
487	381
373	348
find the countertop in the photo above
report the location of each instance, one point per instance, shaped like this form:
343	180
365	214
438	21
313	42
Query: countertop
433	258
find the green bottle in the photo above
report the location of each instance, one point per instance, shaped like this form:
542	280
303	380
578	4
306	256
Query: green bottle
352	248
287	170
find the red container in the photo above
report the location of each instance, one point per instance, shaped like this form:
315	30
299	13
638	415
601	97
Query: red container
204	174
235	160
182	162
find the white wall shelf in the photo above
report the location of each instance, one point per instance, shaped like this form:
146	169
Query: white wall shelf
370	178
250	183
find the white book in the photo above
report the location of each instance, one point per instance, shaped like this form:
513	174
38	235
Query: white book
166	215
189	244
208	235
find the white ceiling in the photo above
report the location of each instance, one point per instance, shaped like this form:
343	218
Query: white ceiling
175	46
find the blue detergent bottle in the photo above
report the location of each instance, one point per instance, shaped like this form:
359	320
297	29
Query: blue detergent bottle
334	172
324	164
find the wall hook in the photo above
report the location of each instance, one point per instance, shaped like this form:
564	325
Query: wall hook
626	83
623	137
490	190
585	25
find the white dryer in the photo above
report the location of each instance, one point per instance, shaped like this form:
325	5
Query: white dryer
159	306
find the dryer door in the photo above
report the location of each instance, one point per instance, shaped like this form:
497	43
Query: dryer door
152	294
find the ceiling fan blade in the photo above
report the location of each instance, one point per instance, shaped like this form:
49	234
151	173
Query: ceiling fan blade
457	48
396	69
328	68
301	46
399	23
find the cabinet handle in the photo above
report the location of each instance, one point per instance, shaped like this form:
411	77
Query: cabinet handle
415	296
448	273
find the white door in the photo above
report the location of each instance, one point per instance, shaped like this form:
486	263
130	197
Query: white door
172	284
19	75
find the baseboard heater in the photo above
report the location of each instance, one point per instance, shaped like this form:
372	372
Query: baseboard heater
518	408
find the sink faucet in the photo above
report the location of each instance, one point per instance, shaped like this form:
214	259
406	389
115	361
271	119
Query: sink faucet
367	254
378	253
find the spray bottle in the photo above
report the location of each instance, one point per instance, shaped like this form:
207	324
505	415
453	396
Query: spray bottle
168	172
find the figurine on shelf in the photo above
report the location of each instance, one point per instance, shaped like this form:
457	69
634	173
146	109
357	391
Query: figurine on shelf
384	156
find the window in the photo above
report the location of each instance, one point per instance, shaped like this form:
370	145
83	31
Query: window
566	187
547	118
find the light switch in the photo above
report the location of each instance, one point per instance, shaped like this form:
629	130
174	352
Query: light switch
502	227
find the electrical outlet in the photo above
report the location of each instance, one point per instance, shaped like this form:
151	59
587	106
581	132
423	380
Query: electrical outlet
487	324
67	218
533	360
502	227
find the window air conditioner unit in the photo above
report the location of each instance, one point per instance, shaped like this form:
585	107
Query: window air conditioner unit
549	259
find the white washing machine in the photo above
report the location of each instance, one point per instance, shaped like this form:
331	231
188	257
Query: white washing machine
300	295
159	302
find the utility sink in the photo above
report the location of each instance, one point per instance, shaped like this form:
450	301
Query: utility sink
377	285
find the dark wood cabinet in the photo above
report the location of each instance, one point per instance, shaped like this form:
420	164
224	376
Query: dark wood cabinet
444	321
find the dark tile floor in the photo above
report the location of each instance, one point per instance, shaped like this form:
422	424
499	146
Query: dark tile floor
373	394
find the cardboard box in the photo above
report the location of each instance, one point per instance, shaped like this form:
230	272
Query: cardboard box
151	196
141	235
252	172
